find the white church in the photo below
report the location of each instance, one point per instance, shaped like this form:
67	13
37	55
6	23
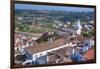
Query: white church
78	27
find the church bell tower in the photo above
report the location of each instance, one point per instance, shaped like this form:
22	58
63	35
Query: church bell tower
79	27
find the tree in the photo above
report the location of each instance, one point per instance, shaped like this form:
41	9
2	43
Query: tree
88	34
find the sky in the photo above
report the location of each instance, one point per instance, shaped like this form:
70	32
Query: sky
45	7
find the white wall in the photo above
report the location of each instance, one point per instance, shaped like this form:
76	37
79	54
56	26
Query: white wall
5	35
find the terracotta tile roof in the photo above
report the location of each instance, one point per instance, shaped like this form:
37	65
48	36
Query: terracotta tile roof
67	60
60	52
46	46
54	44
79	38
59	56
66	51
53	58
90	54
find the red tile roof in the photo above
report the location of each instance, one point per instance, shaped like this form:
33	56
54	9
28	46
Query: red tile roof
46	46
90	54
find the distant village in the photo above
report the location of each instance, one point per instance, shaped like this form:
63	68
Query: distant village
41	41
